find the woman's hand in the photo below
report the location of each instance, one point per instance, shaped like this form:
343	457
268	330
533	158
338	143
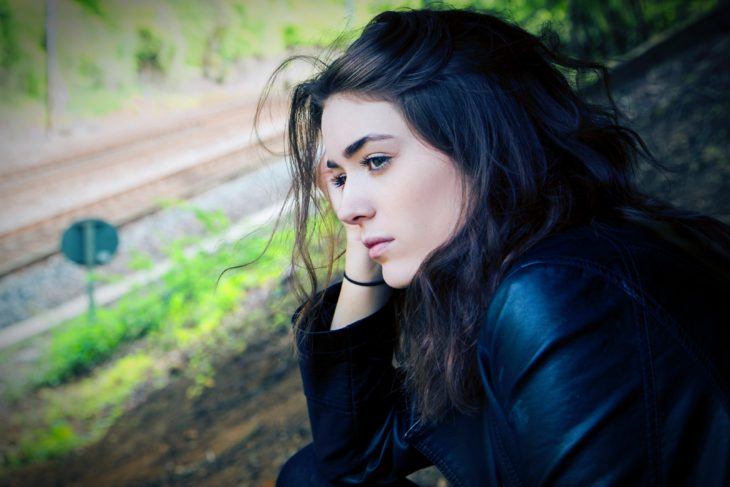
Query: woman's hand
358	264
356	302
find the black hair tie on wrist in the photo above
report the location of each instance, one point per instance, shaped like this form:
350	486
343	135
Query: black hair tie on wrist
366	284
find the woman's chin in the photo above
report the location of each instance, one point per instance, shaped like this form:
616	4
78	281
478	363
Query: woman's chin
397	278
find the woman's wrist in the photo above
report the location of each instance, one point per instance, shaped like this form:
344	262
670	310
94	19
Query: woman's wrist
357	302
377	282
359	297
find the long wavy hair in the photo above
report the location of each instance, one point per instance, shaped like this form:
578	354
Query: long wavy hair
537	157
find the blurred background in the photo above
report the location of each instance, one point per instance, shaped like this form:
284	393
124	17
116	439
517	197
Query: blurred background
145	365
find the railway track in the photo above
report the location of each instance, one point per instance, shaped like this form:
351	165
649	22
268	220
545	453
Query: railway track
124	181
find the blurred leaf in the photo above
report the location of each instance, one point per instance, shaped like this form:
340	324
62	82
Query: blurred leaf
93	6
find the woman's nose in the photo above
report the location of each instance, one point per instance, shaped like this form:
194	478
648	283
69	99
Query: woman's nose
355	205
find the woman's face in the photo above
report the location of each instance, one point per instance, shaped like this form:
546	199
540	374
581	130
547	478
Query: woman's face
381	178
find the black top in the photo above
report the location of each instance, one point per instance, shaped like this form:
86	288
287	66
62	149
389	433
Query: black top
605	360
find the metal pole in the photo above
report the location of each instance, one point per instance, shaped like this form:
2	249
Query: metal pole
51	63
89	246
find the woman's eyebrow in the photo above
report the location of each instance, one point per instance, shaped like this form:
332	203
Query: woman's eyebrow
356	146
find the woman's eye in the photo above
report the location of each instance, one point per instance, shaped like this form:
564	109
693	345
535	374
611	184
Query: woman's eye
376	163
339	180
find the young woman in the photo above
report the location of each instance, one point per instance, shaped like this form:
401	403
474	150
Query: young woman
513	311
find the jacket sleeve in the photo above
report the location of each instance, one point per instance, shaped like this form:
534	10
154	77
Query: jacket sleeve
354	397
563	362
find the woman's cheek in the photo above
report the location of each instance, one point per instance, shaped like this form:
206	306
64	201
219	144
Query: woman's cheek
334	198
323	185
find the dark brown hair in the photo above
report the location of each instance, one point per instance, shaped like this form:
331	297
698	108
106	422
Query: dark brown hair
537	157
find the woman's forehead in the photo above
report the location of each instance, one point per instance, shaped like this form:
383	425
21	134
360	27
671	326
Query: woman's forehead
356	109
349	122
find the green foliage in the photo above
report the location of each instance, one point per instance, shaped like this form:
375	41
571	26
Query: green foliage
149	54
179	309
90	370
79	347
21	73
82	412
92	74
140	262
607	29
93	6
9	49
107	44
32	84
215	221
200	370
292	36
42	445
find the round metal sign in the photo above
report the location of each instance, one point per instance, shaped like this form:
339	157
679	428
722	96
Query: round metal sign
90	242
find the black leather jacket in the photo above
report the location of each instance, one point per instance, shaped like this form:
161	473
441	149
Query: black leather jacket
605	360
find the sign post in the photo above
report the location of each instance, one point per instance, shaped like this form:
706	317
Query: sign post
90	243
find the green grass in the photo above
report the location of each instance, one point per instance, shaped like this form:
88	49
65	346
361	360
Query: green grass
174	312
83	380
82	412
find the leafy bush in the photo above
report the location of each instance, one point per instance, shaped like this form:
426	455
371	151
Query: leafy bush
149	54
93	6
292	36
9	49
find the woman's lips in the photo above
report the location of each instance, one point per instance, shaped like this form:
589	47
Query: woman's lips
377	247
